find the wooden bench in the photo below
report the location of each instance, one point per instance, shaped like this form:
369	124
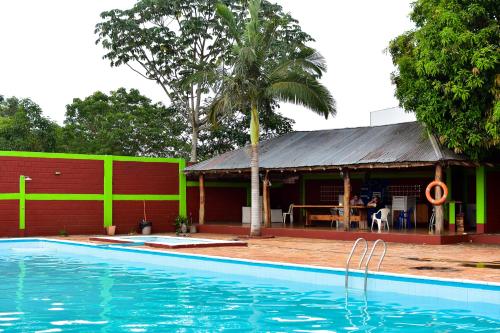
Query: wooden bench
331	218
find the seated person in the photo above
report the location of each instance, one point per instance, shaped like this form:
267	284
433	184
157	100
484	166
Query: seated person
356	201
375	204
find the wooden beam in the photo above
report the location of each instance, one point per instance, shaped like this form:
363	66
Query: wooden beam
438	194
347	196
266	201
201	216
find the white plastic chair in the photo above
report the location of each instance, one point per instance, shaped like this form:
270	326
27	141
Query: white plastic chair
383	221
289	214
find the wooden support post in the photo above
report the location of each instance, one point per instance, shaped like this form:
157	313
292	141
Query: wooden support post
266	201
438	195
347	196
201	216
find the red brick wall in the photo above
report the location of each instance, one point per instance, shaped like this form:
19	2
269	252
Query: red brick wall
127	214
9	218
77	176
45	218
222	204
85	177
145	178
492	205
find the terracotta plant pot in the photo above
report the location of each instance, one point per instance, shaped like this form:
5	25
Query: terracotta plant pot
110	231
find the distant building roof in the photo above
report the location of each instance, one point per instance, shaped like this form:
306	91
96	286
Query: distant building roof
397	144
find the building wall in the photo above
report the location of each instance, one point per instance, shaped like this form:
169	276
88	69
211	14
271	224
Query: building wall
66	193
222	204
389	116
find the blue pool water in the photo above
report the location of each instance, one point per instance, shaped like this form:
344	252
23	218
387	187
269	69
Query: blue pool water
60	287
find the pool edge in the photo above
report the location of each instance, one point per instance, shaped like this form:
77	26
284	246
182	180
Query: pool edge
477	284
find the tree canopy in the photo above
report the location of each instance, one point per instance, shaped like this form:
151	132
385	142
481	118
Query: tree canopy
183	47
123	123
259	77
448	72
23	127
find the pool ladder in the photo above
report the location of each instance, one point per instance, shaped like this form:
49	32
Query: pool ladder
359	240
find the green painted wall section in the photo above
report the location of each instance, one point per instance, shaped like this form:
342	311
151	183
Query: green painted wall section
451	211
22	202
481	195
107	197
63	197
108	191
146	197
9	196
182	189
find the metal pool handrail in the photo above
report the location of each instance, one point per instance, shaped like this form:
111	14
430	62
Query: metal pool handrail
350	256
370	257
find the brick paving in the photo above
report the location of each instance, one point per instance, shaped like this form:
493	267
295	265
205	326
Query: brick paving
457	261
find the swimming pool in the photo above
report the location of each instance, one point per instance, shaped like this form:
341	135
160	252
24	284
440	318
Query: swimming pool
169	242
62	286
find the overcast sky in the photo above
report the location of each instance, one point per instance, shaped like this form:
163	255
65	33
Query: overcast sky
48	54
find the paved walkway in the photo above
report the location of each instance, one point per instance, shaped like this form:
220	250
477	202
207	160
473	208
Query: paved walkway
458	261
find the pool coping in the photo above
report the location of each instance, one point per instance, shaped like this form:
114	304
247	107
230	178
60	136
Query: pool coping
212	243
476	284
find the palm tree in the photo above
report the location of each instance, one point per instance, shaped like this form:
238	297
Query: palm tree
256	80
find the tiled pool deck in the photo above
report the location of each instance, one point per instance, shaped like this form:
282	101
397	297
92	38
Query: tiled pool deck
458	261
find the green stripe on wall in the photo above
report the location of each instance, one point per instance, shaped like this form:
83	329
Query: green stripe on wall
108	191
9	196
480	195
218	184
63	197
182	189
452	212
146	197
22	202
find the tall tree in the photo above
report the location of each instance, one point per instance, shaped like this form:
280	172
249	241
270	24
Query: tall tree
448	72
23	127
177	44
123	123
257	79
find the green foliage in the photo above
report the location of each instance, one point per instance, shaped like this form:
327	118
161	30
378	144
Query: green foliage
178	222
261	75
183	47
123	123
23	127
448	72
258	79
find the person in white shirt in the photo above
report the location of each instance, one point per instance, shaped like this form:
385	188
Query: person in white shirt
356	201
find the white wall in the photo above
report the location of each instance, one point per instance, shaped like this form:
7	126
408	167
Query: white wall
390	116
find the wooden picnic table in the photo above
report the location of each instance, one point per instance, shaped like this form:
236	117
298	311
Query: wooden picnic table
361	217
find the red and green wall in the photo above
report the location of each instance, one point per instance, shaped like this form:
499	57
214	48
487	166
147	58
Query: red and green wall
82	194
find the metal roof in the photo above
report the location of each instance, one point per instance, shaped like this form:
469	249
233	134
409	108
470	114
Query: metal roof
397	143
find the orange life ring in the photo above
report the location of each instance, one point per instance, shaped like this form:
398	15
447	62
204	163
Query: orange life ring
436	202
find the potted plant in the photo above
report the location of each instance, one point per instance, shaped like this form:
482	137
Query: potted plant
110	230
145	225
181	224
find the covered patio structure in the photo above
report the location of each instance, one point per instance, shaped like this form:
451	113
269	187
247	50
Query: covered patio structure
314	175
